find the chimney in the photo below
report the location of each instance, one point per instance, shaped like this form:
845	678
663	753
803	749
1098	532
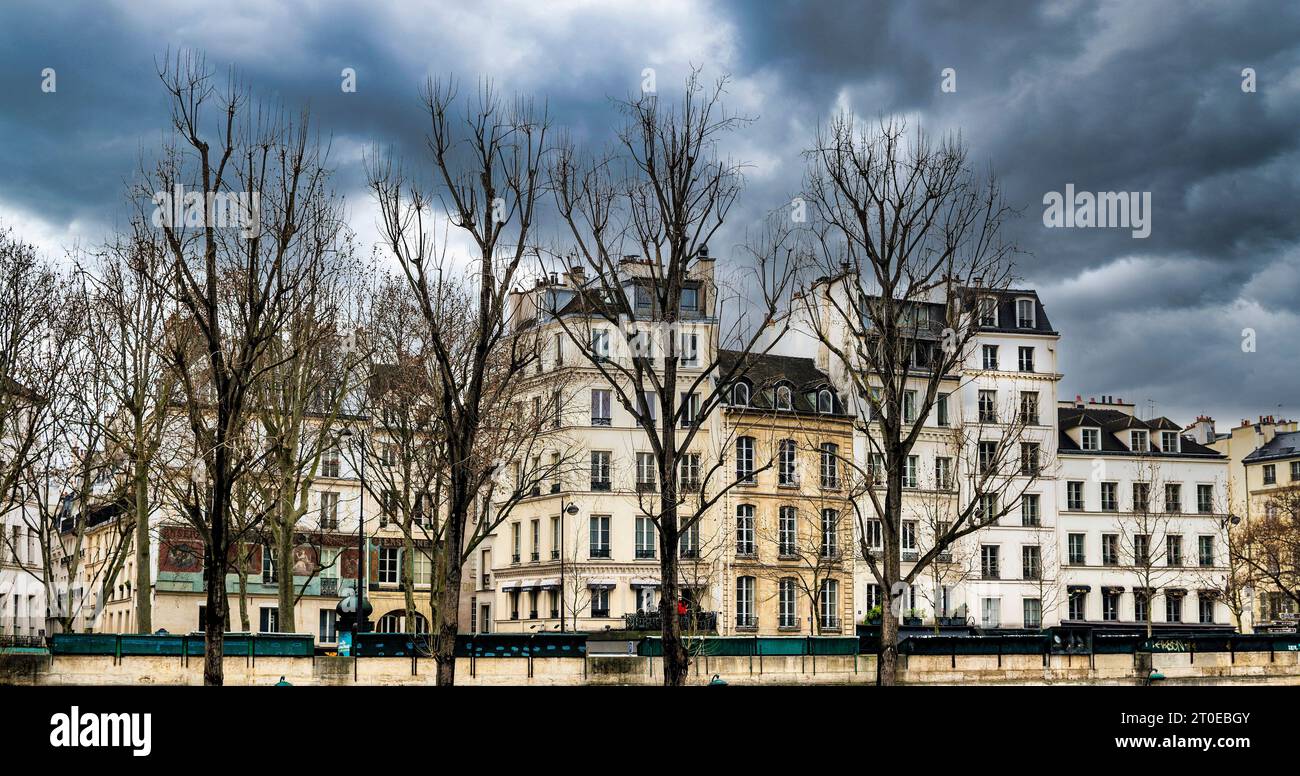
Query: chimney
1078	401
1203	429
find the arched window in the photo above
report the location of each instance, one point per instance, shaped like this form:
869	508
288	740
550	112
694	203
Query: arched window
784	397
740	394
825	402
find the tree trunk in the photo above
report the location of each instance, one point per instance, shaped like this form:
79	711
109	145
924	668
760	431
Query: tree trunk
214	627
143	576
448	621
676	659
244	624
284	576
887	666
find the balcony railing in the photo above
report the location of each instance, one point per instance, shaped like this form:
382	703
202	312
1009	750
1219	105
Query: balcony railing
652	621
600	485
600	421
329	586
746	622
643	553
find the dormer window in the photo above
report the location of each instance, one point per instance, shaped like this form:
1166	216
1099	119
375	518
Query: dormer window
1139	440
1169	441
825	402
784	397
1025	317
988	311
690	300
1091	439
740	394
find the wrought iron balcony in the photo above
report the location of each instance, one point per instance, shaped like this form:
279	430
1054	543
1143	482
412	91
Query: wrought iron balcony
652	621
329	586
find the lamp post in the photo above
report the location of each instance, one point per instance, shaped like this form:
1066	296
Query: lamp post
571	509
360	622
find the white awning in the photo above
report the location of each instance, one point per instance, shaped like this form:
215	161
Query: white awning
645	582
602	583
512	584
549	582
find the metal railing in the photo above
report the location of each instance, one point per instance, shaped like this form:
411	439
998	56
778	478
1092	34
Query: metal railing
652	621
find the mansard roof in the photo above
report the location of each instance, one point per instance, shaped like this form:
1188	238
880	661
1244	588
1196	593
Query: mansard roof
1284	445
766	371
1114	422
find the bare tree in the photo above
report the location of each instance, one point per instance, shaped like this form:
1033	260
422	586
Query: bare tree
1143	535
641	217
247	216
908	245
1268	550
488	163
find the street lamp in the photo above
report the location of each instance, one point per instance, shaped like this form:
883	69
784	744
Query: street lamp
571	509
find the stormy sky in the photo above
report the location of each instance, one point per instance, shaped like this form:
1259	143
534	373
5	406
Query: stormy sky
1122	97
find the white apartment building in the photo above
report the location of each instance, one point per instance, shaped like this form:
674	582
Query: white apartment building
22	591
1143	516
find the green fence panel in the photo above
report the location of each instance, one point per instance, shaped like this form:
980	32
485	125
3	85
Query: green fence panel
84	644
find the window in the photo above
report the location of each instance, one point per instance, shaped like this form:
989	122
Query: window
989	561
1173	498
329	462
785	463
745	529
1139	440
1074	495
988	457
786	531
988	311
690	349
536	553
1141	549
874	536
876	467
875	410
941	410
388	565
559	349
784	397
688	472
745	603
690	409
1109	604
1025	313
1029	408
740	394
1169	441
1110	549
1206	609
909	471
1205	499
556	539
1026	359
825	402
990	356
942	473
688	544
1078	604
988	406
745	459
268	619
830	466
268	565
600	470
600	344
830	533
1091	439
991	612
1030	562
909	406
329	510
690	299
645	538
1295	471
1173	550
645	472
600	601
907	539
1030	453
388	454
328	626
1033	613
514	542
1030	515
645	599
1141	497
1141	605
599	536
600	408
1076	550
828	599
1173	607
1205	550
1110	497
786	612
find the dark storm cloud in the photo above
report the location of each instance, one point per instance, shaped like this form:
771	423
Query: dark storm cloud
1110	97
